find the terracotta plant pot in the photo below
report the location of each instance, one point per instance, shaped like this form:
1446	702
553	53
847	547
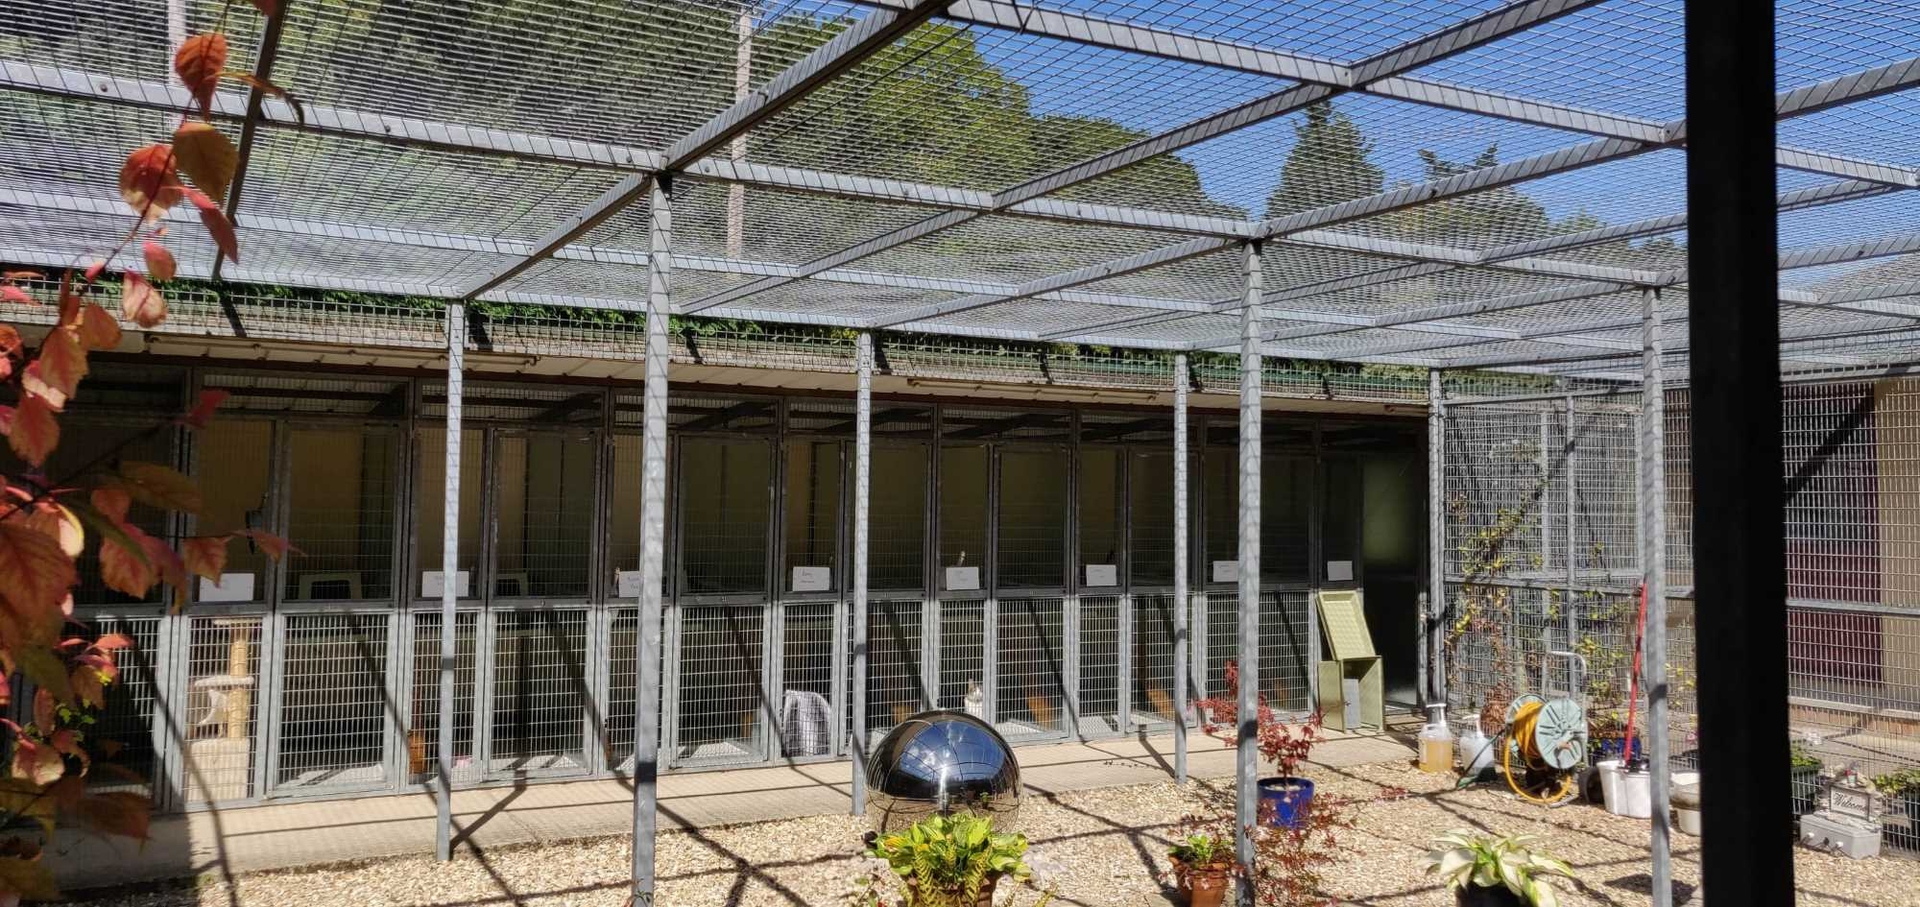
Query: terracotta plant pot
1475	896
1204	886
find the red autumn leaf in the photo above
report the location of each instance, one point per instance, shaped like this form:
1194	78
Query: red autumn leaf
122	813
202	413
10	346
56	522
70	300
98	328
32	431
268	88
112	503
26	877
198	63
149	186
36	762
101	665
89	688
14	294
43	708
140	302
63	361
275	546
67	743
42	666
39	387
206	156
206	556
158	486
23	274
125	568
167	568
160	263
217	225
266	7
111	642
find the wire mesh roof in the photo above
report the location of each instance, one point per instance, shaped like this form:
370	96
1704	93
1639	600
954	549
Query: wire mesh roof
1442	183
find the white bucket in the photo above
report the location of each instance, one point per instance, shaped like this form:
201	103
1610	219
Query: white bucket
1687	820
1636	795
1609	770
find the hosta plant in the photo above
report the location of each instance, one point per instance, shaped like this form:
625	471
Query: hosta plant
1467	862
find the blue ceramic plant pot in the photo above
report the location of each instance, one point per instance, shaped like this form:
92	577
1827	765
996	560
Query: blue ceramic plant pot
1283	801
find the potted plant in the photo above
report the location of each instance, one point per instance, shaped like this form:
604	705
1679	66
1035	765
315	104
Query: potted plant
1805	773
1901	789
1496	872
1203	866
1286	797
951	861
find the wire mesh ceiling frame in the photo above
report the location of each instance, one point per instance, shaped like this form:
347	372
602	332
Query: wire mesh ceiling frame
1315	323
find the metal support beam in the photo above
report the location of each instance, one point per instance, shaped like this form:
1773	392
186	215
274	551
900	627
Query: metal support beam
653	534
862	485
1181	650
449	570
264	59
1739	569
870	35
457	139
1653	563
1152	258
1436	538
1560	160
1457	39
1247	753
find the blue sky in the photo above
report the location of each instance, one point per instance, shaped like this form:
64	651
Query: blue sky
1623	57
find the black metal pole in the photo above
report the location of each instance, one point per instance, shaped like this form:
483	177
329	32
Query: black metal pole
1739	556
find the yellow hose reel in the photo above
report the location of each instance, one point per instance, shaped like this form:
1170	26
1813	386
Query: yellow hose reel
1546	742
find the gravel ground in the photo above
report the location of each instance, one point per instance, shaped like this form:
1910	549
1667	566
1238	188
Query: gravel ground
1108	846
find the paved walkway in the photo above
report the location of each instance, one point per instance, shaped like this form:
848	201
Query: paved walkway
285	835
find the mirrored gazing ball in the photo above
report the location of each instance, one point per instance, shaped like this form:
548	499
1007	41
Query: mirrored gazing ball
942	762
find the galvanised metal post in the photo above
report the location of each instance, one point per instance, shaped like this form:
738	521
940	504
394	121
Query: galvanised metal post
449	572
1568	477
862	484
1436	537
1653	561
1746	851
653	524
1247	756
1181	650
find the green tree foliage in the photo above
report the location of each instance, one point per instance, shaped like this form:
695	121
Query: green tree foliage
1504	212
1330	162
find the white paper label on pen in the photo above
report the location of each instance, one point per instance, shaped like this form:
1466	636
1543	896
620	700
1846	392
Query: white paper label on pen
1103	575
433	584
963	578
1226	571
233	587
1339	571
626	583
813	579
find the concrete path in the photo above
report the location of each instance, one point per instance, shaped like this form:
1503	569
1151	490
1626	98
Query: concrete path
285	835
